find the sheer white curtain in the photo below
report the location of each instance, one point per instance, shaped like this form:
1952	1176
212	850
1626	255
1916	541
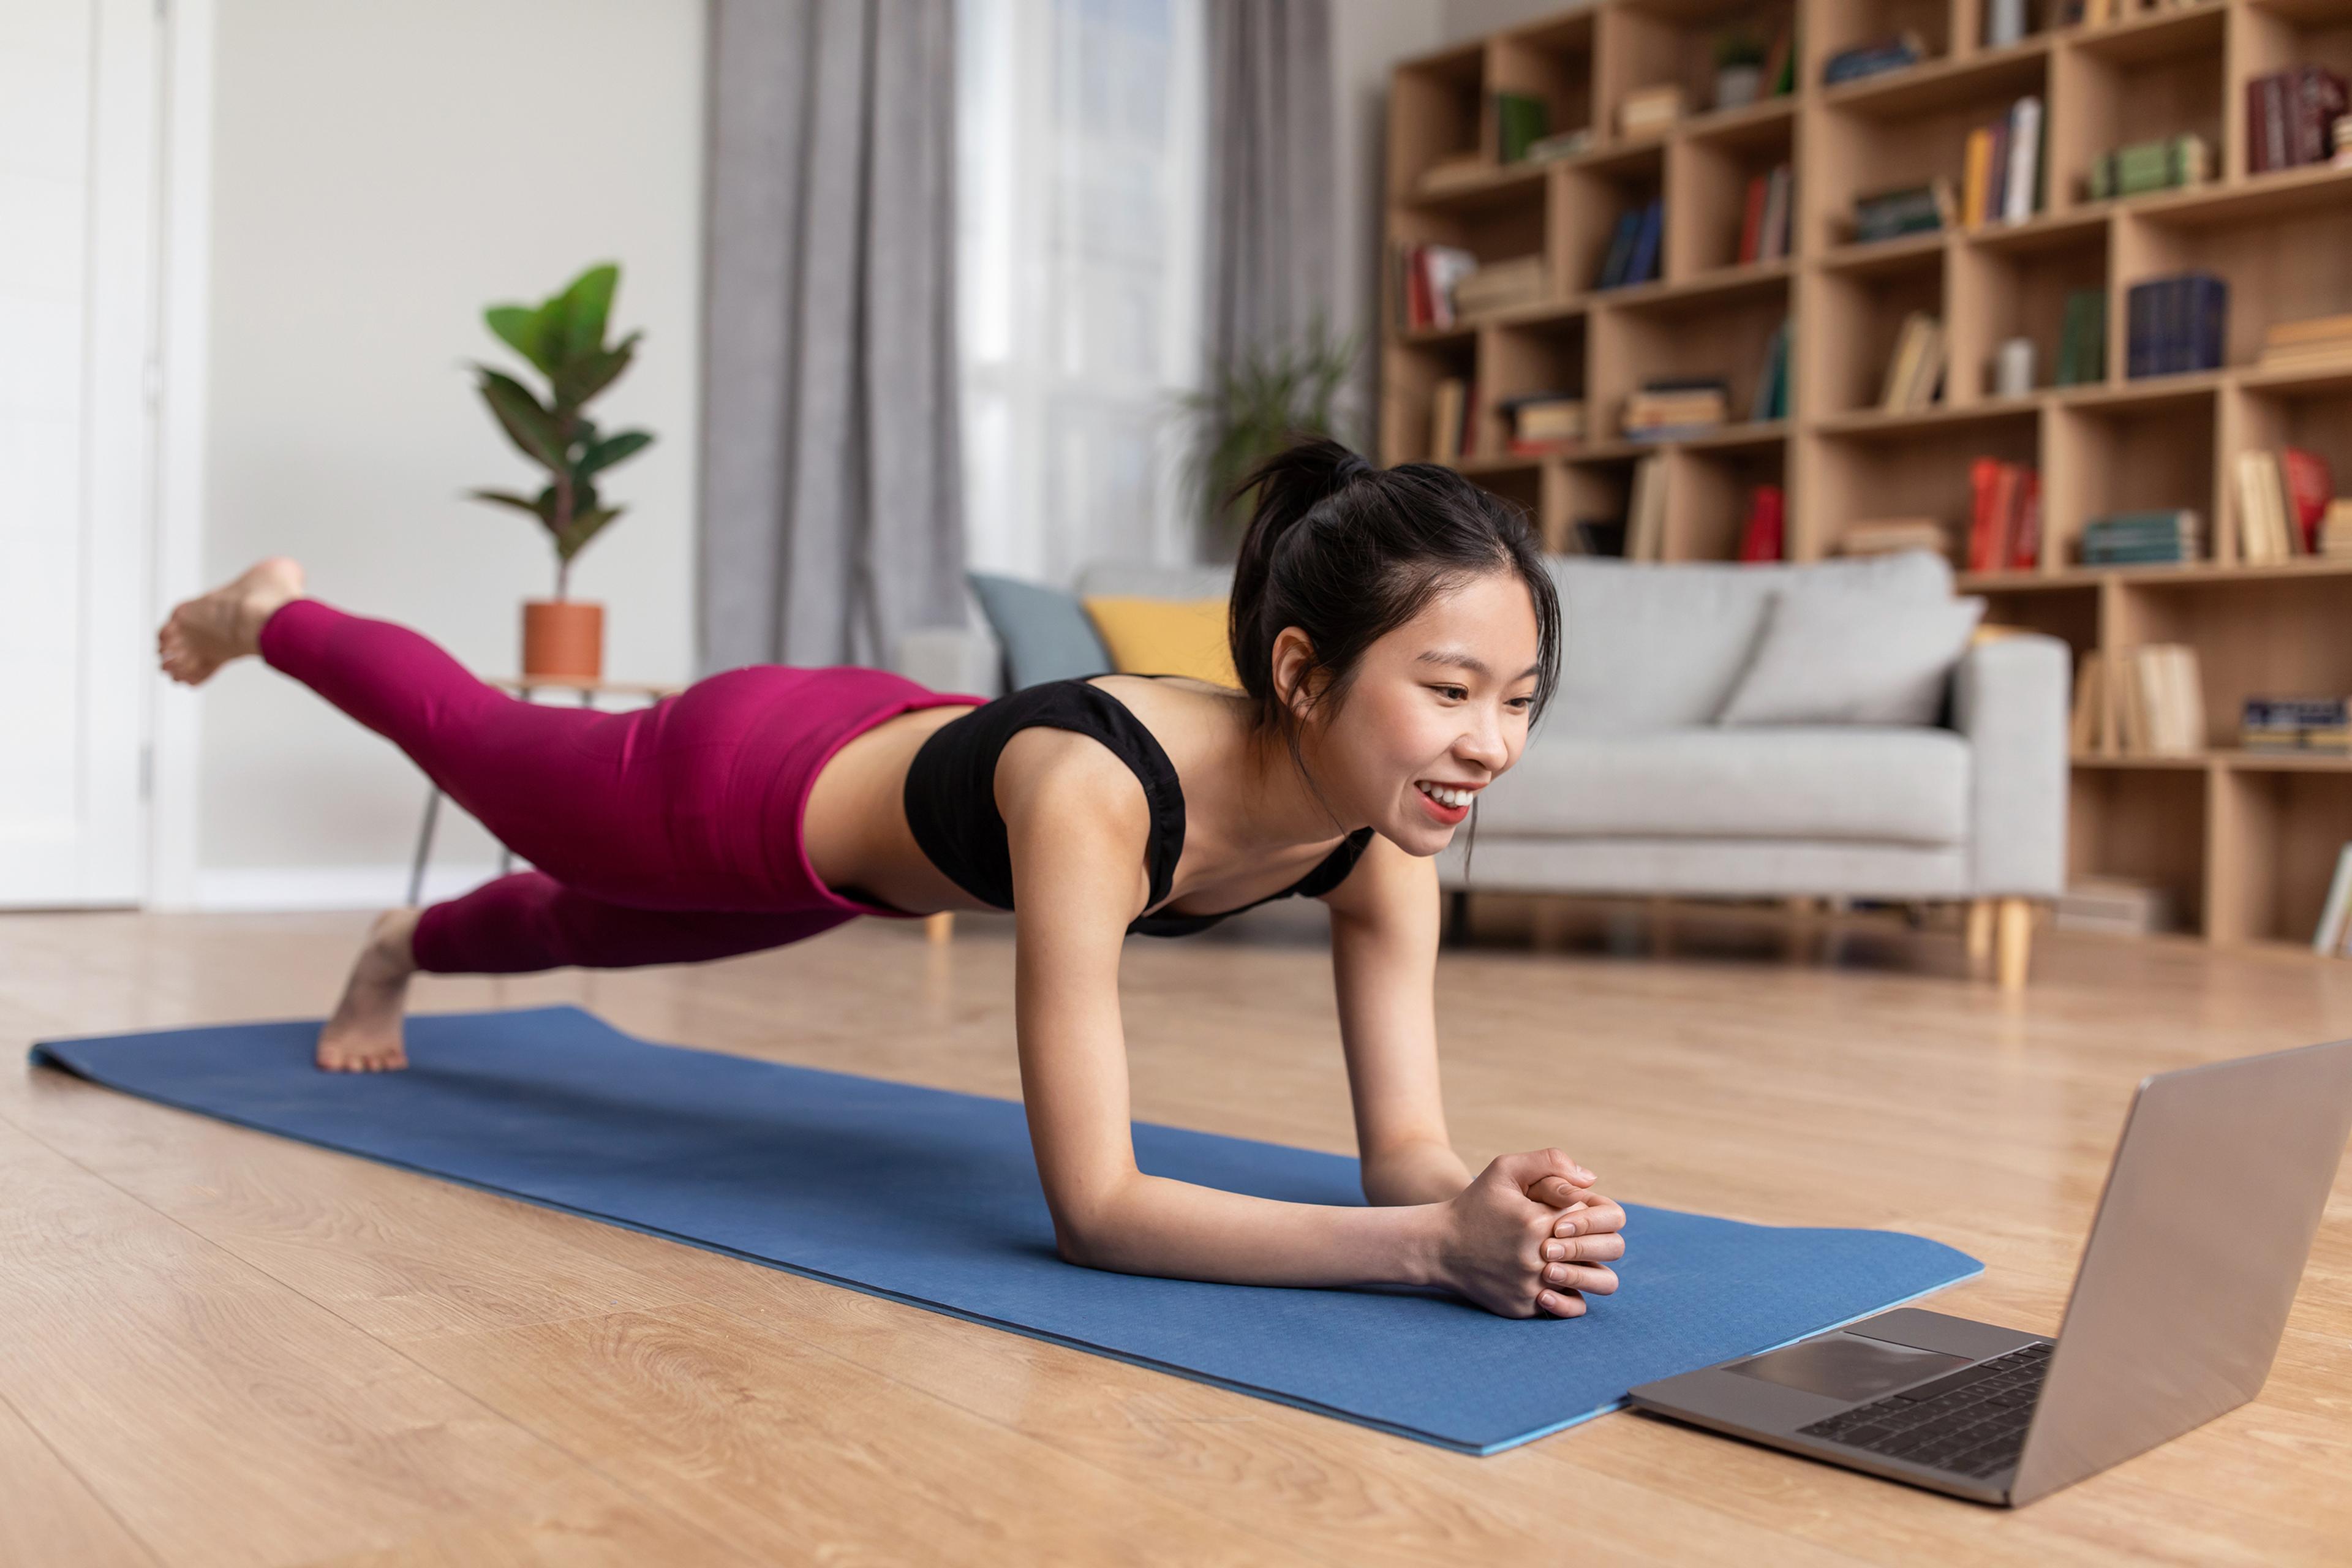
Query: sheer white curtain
1080	140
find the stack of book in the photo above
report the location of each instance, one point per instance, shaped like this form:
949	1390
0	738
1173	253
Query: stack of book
1521	120
2082	339
1764	226
1765	536
1646	515
1668	408
2336	532
1772	400
2283	499
2004	516
1916	369
2332	938
2003	164
2316	340
1544	421
2113	906
1634	247
1910	209
2163	164
2176	324
2291	118
2295	724
1560	144
1425	277
1649	111
1889	536
2156	536
2105	12
2148	701
1500	285
1450	404
1874	57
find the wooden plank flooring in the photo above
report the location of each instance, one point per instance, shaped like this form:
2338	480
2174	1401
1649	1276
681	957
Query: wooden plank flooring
227	1348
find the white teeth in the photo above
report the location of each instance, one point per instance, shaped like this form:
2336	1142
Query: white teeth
1444	794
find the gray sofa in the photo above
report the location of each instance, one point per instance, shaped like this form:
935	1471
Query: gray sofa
1633	785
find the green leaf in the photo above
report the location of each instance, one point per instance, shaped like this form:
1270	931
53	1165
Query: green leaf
517	326
583	377
537	508
530	426
588	301
585	526
602	455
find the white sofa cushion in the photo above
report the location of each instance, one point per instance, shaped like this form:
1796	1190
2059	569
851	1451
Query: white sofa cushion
1844	782
1659	647
1837	654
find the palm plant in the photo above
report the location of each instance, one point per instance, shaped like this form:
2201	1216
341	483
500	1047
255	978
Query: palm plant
1254	405
563	338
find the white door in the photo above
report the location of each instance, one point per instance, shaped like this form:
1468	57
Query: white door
78	101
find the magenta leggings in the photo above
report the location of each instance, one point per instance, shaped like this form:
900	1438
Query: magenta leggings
663	834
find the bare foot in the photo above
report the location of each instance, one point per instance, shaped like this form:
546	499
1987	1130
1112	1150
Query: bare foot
364	1034
206	632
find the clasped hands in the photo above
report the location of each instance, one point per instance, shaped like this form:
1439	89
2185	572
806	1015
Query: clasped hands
1530	1237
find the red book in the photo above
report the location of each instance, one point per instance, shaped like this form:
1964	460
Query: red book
1984	523
2008	480
1764	539
2309	487
1751	227
2025	539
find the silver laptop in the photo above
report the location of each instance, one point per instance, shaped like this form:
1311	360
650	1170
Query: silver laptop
2201	1236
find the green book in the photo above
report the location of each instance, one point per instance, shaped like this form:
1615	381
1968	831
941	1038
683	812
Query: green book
2082	339
1521	120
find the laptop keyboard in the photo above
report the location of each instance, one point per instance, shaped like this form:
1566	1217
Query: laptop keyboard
1972	1423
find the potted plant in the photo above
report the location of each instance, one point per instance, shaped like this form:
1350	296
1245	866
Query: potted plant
1738	69
1253	407
563	338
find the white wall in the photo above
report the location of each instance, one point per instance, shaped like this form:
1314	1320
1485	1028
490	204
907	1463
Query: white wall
379	172
1473	18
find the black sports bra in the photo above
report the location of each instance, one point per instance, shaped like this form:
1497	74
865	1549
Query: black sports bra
950	797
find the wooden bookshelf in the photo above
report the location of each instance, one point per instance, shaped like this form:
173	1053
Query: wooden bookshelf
2245	842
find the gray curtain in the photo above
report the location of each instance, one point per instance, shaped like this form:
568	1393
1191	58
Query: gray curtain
1271	193
832	490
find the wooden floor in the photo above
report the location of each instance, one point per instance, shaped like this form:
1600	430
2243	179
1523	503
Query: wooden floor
220	1347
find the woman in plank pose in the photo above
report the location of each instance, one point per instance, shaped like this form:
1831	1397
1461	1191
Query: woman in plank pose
1395	633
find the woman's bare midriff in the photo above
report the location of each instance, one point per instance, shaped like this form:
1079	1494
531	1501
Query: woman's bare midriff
855	827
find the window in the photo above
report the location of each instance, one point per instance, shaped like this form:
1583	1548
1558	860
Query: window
1079	147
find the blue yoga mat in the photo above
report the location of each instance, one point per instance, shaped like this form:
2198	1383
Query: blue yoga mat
931	1198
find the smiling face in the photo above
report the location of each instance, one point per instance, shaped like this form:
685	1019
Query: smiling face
1439	708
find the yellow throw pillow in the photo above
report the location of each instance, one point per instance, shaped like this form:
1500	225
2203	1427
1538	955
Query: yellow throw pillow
1166	637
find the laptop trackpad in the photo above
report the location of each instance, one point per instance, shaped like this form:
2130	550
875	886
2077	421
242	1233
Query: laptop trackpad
1843	1366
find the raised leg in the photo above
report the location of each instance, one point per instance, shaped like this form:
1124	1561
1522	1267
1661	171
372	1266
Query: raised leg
530	921
2014	942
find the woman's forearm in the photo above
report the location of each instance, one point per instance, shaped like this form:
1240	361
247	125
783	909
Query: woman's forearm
1149	1224
1415	1173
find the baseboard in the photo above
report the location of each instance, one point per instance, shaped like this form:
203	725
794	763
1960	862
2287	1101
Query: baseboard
247	890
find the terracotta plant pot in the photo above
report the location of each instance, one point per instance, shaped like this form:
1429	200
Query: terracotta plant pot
563	637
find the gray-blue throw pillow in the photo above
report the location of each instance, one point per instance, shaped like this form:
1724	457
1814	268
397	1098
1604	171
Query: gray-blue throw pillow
1045	631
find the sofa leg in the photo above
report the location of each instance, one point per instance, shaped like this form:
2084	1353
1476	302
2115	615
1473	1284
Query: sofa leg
2014	942
940	927
1979	934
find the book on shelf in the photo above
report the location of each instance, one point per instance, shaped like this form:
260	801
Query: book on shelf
1916	369
1649	110
2296	724
2291	118
1669	408
1764	536
2113	906
2153	536
2283	500
1500	286
1544	421
1634	247
1521	120
1771	399
2082	339
2168	163
1765	217
1560	144
2004	516
2157	694
1426	275
2086	720
1906	210
1780	64
2313	341
1892	535
1892	52
2336	530
2343	158
1450	404
2176	324
1646	515
2333	935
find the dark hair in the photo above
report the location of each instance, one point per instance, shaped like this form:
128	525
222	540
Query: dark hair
1348	552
